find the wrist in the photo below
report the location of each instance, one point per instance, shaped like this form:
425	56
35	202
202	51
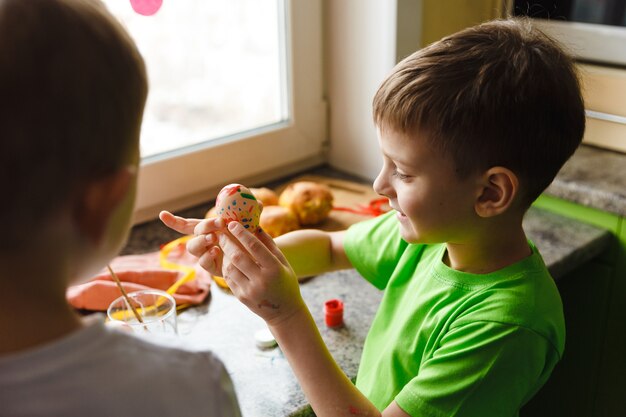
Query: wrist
297	318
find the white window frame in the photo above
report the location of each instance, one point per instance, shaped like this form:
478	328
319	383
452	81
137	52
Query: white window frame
192	176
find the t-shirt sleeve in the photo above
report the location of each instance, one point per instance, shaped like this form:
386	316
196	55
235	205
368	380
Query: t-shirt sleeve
374	247
480	369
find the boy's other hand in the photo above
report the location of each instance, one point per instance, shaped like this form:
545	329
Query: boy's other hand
259	275
204	244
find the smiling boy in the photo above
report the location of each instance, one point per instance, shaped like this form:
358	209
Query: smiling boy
472	129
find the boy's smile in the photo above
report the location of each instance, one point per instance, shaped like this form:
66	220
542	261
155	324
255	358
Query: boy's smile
432	204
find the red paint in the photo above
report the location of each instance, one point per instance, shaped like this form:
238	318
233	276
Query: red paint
333	313
228	190
228	219
231	189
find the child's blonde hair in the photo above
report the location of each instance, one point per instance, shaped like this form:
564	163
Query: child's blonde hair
498	94
72	92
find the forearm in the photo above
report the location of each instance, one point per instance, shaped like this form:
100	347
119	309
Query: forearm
327	388
312	252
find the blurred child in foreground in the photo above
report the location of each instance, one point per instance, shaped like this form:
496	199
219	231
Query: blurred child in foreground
72	92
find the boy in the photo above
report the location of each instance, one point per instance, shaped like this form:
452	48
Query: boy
73	88
472	129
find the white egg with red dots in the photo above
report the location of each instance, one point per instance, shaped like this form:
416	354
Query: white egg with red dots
236	203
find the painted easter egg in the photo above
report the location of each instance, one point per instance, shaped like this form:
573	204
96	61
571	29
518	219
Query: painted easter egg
237	203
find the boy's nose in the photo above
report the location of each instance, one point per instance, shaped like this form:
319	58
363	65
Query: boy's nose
381	186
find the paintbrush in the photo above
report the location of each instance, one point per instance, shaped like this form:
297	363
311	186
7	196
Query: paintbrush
128	301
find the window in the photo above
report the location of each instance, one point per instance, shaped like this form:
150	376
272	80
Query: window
235	92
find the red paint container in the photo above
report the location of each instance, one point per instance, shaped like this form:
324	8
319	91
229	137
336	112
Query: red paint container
333	313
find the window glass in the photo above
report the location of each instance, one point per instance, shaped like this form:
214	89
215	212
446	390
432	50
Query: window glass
215	69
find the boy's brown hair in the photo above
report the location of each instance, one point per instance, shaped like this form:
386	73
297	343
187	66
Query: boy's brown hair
498	94
72	92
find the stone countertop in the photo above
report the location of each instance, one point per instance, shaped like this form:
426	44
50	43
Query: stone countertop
595	178
263	380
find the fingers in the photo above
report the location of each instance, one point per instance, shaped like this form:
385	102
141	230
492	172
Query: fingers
262	255
209	255
198	245
234	278
180	224
204	244
236	256
211	260
269	243
207	226
191	226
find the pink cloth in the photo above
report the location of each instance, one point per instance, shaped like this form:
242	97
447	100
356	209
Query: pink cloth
141	272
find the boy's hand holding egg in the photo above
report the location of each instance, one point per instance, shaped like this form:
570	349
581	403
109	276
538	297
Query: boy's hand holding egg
259	275
233	245
234	203
301	203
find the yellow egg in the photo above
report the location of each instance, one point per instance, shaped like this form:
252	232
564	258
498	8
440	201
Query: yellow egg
236	203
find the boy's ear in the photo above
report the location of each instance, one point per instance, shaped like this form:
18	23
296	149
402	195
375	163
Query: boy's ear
499	188
98	200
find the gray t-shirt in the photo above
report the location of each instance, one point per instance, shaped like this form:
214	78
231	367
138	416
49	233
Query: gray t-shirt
100	372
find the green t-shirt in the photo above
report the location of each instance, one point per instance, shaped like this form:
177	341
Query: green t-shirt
450	343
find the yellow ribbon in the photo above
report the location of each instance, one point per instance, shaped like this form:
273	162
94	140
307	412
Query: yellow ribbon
189	271
189	274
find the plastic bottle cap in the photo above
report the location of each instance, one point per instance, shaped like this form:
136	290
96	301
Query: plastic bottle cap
264	339
333	313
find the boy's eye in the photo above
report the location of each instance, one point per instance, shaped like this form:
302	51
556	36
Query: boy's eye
395	173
